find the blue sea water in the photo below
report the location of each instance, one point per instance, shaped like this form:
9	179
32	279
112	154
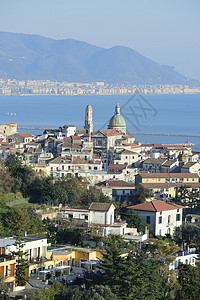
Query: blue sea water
152	113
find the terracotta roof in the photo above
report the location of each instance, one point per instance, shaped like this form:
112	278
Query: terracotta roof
190	164
115	184
128	136
68	125
25	134
133	145
158	145
128	152
69	145
147	145
155	206
169	162
3	134
110	132
195	185
11	124
75	137
168	175
77	160
100	206
154	161
117	167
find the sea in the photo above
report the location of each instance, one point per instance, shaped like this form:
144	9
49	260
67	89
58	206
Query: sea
178	114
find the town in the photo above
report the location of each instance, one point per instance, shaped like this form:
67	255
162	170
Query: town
46	87
76	202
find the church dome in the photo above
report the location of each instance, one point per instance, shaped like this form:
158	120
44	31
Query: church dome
117	120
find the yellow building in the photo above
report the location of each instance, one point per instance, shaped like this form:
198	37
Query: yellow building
75	258
35	268
8	129
7	271
183	178
166	185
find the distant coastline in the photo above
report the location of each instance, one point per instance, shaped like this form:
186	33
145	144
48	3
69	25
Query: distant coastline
13	87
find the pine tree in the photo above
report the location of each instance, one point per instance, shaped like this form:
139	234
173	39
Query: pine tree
21	262
189	280
112	265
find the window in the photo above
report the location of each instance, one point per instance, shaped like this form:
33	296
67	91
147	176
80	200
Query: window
110	219
160	220
160	212
160	232
169	219
86	217
6	271
178	217
132	157
148	219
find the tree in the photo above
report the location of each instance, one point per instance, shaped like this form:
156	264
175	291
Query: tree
6	181
140	279
21	262
17	220
133	219
112	264
187	235
187	197
3	290
162	253
189	280
141	194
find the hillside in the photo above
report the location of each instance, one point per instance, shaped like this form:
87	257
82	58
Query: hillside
26	56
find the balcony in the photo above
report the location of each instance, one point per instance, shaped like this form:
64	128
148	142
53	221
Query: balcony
4	258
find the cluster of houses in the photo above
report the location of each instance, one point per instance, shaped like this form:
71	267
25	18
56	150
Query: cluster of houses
112	161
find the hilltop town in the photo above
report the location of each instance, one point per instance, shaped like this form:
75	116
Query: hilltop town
84	191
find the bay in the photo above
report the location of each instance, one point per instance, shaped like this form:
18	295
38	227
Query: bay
152	113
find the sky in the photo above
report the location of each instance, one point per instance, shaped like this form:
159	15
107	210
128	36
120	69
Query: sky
164	31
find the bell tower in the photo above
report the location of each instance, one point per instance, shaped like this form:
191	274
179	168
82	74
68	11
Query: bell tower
88	126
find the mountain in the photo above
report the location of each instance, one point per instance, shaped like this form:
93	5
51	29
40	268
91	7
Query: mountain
27	56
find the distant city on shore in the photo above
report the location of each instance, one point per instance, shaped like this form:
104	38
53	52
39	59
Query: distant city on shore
11	87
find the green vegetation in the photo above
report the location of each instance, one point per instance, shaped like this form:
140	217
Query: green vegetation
21	262
188	235
188	197
69	191
141	195
132	218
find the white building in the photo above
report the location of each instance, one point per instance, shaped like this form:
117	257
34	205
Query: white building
100	216
184	257
35	247
161	217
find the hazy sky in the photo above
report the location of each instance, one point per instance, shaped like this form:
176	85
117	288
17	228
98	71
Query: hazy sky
166	31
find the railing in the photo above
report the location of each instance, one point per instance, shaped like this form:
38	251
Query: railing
17	201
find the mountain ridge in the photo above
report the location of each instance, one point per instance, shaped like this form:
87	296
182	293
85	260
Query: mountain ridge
34	57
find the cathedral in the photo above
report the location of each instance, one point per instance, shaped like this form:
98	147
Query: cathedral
103	140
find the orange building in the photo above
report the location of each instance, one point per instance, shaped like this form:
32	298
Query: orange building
7	270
